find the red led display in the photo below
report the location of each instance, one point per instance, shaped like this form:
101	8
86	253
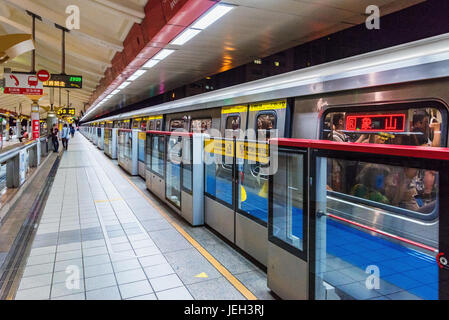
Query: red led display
376	123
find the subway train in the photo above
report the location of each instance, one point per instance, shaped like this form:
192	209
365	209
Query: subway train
375	212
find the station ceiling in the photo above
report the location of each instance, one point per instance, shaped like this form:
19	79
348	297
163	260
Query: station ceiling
253	29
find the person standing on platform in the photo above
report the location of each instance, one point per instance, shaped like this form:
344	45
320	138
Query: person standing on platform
65	136
72	130
54	138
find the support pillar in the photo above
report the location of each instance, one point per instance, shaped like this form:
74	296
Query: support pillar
35	154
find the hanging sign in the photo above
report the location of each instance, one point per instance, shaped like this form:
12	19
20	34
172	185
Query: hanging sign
64	81
66	112
23	83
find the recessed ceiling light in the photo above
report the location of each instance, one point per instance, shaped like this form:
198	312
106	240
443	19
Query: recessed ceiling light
185	36
151	63
164	53
136	75
211	16
124	85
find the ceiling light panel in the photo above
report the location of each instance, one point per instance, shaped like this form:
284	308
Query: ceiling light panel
185	36
151	63
136	75
212	16
124	85
163	54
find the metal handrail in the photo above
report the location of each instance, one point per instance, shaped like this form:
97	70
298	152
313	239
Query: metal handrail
14	152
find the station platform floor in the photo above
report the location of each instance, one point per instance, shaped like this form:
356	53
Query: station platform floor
102	235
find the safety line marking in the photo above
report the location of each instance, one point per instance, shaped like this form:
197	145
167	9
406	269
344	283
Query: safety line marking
217	265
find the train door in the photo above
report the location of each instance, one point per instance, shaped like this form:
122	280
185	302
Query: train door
173	163
265	120
141	145
219	200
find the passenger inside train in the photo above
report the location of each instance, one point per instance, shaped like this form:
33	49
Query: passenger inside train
406	188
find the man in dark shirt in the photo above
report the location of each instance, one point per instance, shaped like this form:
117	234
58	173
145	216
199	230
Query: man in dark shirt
54	138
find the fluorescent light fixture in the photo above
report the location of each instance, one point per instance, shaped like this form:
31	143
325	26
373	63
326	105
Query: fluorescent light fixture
115	91
124	85
164	53
136	75
151	63
185	36
211	16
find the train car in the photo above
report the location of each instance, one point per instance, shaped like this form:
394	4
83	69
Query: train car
376	212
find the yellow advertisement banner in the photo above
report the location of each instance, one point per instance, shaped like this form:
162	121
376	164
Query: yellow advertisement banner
272	105
155	117
253	151
219	146
142	135
234	109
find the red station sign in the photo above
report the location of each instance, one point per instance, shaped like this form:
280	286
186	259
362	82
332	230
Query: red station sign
376	122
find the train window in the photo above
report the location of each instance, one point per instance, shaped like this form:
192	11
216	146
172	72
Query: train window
143	126
232	126
288	226
158	125
417	124
233	122
200	125
377	216
406	191
173	168
219	171
157	155
266	123
176	124
148	158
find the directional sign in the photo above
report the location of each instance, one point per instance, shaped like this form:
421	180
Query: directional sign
64	81
23	83
66	112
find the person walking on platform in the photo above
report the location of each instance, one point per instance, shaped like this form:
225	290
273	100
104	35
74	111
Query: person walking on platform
72	130
65	136
54	138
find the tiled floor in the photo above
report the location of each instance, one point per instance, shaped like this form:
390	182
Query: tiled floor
99	238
